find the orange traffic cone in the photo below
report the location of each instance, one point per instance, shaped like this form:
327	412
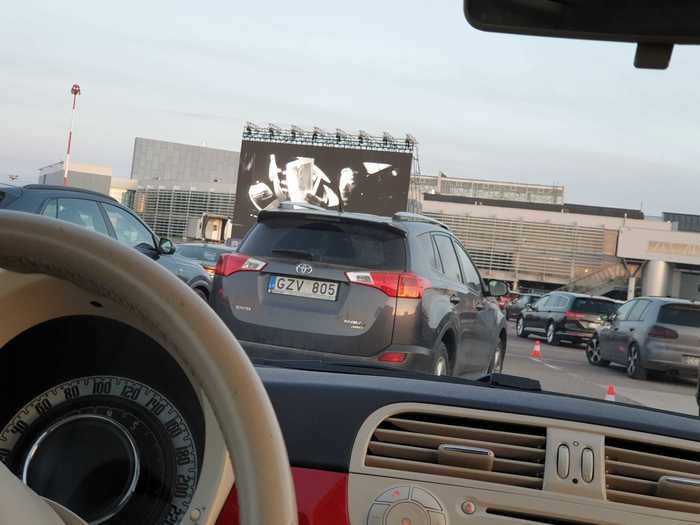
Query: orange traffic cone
610	396
537	350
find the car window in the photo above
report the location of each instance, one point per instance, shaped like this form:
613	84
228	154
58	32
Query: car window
127	228
82	213
51	209
637	313
590	305
191	251
624	310
348	243
448	257
541	304
680	315
471	275
427	250
558	302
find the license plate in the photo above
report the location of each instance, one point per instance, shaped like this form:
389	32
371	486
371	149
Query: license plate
308	288
691	361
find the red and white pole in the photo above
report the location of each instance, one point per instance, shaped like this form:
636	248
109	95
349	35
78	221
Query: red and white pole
75	91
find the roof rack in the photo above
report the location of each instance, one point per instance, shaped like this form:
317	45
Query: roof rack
291	205
405	216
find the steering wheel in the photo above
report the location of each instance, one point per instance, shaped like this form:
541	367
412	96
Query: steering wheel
188	329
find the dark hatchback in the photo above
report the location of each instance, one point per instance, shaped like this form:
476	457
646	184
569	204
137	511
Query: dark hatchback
103	214
327	286
515	308
565	316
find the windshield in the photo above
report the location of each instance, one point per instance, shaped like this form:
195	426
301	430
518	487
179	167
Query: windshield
410	194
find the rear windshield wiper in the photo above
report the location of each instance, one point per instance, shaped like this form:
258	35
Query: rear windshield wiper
300	254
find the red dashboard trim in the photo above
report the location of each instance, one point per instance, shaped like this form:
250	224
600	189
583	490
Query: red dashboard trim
322	499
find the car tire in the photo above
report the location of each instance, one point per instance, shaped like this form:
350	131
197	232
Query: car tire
635	370
593	353
441	364
552	336
202	294
499	355
520	328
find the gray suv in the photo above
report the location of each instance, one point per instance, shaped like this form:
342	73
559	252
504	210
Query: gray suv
399	291
650	333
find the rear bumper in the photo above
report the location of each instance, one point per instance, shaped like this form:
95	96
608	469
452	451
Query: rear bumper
577	335
659	357
418	358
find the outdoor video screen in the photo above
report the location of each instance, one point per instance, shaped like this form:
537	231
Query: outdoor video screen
334	178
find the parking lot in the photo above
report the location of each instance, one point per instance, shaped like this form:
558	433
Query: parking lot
565	369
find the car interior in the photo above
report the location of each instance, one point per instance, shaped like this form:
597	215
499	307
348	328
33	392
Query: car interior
150	363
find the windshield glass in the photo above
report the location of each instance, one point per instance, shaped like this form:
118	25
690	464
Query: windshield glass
409	193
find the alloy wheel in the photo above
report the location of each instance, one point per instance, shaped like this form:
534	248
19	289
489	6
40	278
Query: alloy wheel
593	351
550	334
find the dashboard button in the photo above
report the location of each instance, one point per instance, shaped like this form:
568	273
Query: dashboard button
587	465
407	513
437	518
563	461
395	494
376	514
425	498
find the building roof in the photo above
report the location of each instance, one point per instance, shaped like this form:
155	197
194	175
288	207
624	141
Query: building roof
602	211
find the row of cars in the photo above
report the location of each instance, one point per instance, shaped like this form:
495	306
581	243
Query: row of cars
646	334
311	284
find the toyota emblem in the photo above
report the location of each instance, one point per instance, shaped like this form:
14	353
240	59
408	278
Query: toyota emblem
304	268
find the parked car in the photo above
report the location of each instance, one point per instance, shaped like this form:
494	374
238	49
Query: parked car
564	316
322	285
204	253
515	307
650	334
103	214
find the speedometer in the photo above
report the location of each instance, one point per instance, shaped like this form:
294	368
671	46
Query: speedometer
111	449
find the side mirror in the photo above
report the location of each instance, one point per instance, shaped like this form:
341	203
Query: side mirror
497	289
166	246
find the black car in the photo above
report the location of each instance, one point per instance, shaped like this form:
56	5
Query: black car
322	285
565	316
103	214
514	308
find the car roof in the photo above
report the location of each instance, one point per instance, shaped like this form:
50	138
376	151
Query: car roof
584	296
48	188
669	300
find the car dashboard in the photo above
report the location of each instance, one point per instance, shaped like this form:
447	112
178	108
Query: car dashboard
364	449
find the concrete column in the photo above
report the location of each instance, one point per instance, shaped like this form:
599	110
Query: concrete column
656	279
631	287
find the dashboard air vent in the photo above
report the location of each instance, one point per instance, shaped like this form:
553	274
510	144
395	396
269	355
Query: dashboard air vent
652	476
483	450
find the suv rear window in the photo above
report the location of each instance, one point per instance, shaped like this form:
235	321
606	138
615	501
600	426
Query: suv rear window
680	314
593	306
344	243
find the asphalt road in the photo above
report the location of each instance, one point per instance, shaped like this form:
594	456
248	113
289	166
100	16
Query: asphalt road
565	369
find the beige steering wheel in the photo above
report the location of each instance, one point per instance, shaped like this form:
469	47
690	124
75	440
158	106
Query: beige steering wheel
190	331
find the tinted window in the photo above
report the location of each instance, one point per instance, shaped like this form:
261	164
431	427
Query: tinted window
51	209
448	257
680	314
471	276
82	213
345	243
128	228
558	302
593	306
637	313
529	299
624	310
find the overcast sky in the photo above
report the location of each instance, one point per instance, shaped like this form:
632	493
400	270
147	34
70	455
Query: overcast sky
481	105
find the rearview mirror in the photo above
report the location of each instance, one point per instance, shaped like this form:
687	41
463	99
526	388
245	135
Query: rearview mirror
497	289
166	246
655	26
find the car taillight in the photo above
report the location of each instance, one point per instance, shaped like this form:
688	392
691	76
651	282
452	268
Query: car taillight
573	316
661	332
393	357
210	270
404	285
231	263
